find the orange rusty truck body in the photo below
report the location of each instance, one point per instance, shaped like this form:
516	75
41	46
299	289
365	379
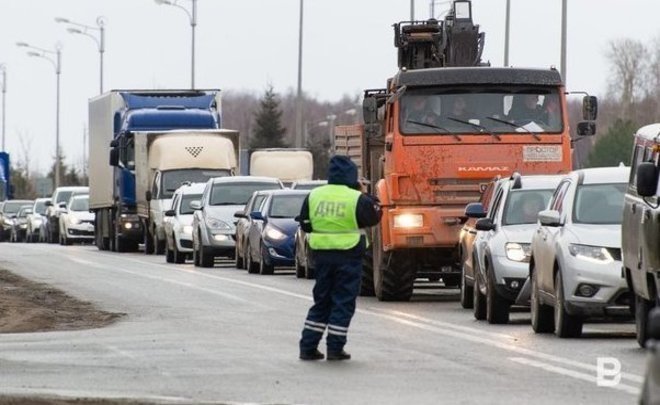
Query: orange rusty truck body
444	126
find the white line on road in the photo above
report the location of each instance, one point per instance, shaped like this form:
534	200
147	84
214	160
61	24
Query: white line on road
573	374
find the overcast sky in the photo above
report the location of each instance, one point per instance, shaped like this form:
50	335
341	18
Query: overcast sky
245	44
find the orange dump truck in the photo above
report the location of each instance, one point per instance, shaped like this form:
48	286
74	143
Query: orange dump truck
431	142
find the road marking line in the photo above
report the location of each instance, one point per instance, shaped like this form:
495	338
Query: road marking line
573	374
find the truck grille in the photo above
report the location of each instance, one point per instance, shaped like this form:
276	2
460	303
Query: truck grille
457	193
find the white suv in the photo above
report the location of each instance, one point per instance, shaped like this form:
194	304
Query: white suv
575	263
178	222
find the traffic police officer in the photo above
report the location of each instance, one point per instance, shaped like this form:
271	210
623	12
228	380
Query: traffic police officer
333	215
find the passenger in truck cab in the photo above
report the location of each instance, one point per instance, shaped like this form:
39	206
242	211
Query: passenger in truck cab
419	114
459	108
525	108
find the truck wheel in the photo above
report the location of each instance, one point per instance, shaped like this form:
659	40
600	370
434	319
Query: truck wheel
478	300
542	315
642	309
566	325
367	284
178	256
497	308
394	274
466	291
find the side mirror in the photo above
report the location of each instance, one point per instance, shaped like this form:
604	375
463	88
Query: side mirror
61	205
485	224
550	218
48	203
147	195
169	213
114	157
256	215
196	205
239	214
654	324
475	210
589	108
647	179
586	128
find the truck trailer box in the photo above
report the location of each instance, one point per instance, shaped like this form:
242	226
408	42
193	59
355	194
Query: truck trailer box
288	165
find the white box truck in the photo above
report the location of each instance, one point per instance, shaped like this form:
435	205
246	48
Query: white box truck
288	165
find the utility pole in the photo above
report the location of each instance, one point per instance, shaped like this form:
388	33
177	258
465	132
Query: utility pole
564	6
300	140
507	29
412	10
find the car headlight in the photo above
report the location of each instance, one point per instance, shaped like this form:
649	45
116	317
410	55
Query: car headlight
594	254
408	221
518	252
74	220
274	234
9	221
187	229
217	224
37	222
23	226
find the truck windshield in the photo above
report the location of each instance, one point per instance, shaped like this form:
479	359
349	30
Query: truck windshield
599	204
496	109
523	206
172	179
286	206
238	193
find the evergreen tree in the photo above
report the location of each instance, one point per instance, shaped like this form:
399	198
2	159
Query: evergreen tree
615	146
268	131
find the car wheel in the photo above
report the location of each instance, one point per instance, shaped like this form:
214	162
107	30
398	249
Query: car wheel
253	267
542	316
238	259
309	269
177	255
264	268
642	309
205	259
169	254
466	291
300	269
566	325
478	301
196	243
497	308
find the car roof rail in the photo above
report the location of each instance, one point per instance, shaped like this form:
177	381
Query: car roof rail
517	181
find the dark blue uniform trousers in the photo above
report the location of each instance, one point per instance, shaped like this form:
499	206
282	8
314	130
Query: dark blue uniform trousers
338	277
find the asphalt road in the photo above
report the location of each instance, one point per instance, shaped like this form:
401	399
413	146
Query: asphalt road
224	336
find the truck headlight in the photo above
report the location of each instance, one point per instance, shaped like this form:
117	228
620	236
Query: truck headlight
408	221
518	252
274	234
187	229
217	224
595	254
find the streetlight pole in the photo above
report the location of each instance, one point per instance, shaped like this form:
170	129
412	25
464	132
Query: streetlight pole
300	141
507	27
412	10
192	16
331	123
57	64
100	41
564	12
3	69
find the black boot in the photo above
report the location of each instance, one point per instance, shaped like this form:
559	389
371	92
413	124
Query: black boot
341	355
311	355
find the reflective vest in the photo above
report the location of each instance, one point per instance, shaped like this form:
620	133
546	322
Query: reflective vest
332	214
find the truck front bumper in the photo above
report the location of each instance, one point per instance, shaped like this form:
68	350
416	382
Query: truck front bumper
421	226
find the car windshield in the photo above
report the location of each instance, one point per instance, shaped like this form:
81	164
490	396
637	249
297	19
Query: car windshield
599	203
63	196
80	204
186	199
481	109
25	211
12	207
173	179
286	206
40	207
523	206
238	193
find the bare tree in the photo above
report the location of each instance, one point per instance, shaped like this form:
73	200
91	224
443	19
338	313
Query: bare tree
628	59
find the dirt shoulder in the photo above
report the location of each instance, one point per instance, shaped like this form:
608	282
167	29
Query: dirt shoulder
27	306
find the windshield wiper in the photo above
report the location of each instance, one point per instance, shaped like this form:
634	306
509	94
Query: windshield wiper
513	124
473	125
229	203
424	124
279	216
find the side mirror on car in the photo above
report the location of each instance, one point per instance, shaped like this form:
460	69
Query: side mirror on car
485	224
61	205
239	214
48	204
169	213
196	205
256	215
550	218
475	210
647	179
